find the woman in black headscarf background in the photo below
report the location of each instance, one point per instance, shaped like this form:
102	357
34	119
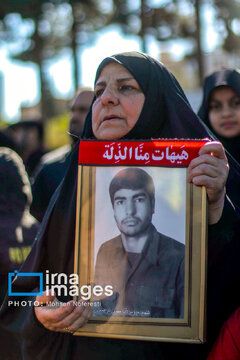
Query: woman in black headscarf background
220	111
163	111
17	231
17	227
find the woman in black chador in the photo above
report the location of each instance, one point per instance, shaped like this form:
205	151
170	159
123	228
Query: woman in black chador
17	232
135	98
220	111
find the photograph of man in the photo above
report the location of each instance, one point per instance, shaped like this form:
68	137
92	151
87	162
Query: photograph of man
144	267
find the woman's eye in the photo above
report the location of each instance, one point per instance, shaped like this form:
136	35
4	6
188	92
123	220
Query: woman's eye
235	104
214	106
98	92
126	87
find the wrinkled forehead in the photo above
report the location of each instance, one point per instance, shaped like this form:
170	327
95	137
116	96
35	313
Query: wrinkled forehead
137	65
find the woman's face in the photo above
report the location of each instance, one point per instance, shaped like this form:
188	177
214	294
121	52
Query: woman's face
224	112
119	102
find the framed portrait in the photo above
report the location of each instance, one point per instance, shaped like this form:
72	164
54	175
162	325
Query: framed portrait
141	237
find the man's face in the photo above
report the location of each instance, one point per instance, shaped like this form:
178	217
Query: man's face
133	211
27	139
79	109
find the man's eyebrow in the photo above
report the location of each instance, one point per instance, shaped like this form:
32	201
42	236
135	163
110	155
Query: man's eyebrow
140	194
134	196
120	80
119	198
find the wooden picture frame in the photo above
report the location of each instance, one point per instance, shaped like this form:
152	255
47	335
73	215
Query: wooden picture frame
180	213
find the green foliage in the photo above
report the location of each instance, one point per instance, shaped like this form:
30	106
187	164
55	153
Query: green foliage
165	21
56	131
27	8
39	30
52	25
3	124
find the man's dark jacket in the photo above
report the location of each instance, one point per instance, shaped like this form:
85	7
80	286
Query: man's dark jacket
152	286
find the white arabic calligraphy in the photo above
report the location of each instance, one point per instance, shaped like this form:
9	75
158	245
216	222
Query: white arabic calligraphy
158	158
146	156
139	155
173	156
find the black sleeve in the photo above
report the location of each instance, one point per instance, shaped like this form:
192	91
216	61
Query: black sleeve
221	234
223	270
41	196
39	342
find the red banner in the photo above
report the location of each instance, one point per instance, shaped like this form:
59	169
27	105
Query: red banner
150	153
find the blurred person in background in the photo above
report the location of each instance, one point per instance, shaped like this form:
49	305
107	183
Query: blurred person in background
7	141
18	227
17	231
55	163
28	135
220	111
78	111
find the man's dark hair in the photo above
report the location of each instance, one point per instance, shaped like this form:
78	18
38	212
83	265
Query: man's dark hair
134	179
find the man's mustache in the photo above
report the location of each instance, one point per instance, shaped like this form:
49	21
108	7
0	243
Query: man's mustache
129	219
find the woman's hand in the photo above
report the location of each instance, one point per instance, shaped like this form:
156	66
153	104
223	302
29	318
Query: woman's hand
67	317
210	169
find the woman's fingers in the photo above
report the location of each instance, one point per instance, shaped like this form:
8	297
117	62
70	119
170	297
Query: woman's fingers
78	318
49	316
214	148
46	297
210	169
57	316
203	168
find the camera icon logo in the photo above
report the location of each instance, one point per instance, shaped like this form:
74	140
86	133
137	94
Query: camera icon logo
11	277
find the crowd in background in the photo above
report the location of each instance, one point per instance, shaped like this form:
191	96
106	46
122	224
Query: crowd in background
29	176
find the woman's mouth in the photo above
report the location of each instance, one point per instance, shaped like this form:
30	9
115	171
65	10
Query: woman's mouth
111	117
229	124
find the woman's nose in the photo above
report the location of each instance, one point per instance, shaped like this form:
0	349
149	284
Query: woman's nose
109	97
227	110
